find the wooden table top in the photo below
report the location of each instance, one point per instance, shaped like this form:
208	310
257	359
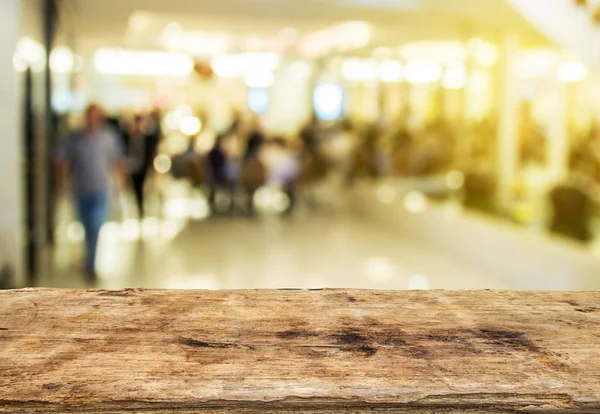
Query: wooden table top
298	351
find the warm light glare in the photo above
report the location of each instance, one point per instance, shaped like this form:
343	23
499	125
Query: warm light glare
371	70
415	202
227	66
455	180
123	62
62	60
572	72
485	54
162	164
440	52
190	126
390	71
339	38
423	72
259	79
455	77
359	70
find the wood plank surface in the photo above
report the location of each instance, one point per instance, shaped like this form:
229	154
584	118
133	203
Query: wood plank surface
299	351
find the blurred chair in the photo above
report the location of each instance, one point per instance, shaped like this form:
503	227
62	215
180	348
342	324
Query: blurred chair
572	208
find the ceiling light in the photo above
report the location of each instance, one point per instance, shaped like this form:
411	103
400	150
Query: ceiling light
391	71
123	62
259	79
423	72
357	70
571	72
455	77
227	66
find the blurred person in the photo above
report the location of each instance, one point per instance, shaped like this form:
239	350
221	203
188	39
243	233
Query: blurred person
309	135
340	151
91	156
254	172
224	164
141	145
284	168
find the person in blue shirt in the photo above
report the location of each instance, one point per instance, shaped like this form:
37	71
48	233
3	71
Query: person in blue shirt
91	159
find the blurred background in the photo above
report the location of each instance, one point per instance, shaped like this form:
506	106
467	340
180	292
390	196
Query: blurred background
386	144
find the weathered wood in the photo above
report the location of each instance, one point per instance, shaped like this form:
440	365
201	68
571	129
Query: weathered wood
298	351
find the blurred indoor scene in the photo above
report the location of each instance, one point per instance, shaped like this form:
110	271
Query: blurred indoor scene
385	144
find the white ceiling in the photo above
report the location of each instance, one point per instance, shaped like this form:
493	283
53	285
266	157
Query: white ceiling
96	23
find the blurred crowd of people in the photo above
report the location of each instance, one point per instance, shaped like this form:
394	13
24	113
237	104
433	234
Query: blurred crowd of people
232	165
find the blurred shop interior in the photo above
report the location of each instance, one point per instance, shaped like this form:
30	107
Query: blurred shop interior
387	144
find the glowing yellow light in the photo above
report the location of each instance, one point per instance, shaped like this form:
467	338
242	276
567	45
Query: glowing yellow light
110	232
485	54
455	77
570	72
440	52
380	268
415	202
137	63
62	60
30	50
19	64
455	180
162	164
423	72
227	66
130	230
419	282
198	209
190	125
280	202
356	70
390	71
263	62
259	79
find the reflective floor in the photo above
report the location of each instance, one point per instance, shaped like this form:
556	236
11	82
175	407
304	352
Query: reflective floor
333	244
324	248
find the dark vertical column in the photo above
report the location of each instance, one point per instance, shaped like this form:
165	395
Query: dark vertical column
50	23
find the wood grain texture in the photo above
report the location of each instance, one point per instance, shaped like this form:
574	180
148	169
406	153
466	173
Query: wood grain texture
323	351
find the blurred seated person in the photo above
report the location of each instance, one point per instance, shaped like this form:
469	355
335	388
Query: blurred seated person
572	211
254	173
224	164
283	163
